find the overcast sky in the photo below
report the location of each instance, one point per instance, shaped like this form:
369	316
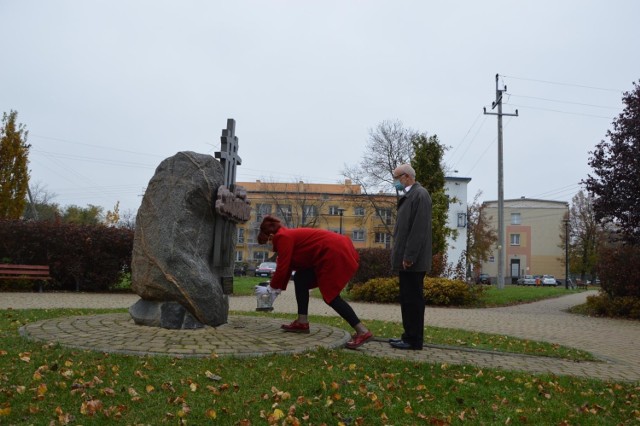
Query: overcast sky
108	89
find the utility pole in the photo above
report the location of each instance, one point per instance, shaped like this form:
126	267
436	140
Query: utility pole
566	252
501	240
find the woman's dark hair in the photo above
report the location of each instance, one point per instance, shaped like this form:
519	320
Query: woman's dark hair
269	225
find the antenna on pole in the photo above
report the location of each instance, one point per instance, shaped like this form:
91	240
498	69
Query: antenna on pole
501	240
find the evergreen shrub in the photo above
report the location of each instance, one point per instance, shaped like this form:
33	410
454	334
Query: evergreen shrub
437	292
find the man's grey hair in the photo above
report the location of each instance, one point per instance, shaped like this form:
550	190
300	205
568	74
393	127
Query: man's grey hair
406	168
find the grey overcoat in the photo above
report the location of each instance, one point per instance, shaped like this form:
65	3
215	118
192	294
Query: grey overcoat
412	233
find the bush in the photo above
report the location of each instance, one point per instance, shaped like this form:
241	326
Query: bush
437	291
378	290
603	305
374	263
446	292
618	271
81	257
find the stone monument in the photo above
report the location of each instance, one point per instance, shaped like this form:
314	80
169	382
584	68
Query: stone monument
182	263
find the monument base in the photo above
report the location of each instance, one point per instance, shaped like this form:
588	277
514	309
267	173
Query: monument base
170	315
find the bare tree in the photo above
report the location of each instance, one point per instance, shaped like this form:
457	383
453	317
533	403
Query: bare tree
389	146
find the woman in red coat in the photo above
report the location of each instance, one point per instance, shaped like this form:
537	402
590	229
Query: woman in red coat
321	259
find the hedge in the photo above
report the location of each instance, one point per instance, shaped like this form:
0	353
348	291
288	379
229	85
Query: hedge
81	257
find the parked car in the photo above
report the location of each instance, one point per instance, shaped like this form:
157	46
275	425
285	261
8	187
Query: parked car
549	280
527	280
266	269
483	279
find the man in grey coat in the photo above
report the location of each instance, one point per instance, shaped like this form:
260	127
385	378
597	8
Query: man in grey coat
411	254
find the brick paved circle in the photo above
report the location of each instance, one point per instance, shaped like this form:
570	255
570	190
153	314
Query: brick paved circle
241	336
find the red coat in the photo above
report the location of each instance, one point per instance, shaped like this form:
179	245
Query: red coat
331	256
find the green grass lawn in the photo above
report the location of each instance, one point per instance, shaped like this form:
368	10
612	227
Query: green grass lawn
49	384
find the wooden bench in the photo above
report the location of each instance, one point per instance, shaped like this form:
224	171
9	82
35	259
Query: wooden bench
581	284
38	273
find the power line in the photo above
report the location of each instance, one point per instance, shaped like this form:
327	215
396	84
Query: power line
563	102
564	84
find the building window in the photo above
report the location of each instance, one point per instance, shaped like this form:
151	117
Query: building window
334	210
310	211
284	212
260	256
492	259
515	239
262	210
357	235
385	216
383	237
358	211
240	235
239	256
462	220
516	219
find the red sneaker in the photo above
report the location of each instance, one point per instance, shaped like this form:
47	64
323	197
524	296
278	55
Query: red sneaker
296	327
358	340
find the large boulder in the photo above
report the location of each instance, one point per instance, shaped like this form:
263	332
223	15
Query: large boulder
174	239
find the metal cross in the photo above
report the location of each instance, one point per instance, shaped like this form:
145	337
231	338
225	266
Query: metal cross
228	154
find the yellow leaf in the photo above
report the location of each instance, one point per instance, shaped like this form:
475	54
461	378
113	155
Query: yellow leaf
25	356
149	388
352	367
211	413
278	414
20	389
42	389
5	411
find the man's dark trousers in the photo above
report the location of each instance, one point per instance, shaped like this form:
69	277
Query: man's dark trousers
412	306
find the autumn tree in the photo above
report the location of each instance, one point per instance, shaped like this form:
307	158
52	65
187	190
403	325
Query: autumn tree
615	182
481	236
14	174
584	235
428	164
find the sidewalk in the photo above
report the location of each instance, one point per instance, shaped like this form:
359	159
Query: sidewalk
615	342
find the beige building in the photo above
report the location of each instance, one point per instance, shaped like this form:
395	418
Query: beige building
532	243
341	208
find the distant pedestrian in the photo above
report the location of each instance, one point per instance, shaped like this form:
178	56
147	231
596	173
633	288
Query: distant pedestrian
321	259
411	254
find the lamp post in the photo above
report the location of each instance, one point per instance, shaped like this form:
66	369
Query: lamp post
340	212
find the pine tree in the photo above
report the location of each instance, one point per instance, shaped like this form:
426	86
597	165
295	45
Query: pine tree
14	173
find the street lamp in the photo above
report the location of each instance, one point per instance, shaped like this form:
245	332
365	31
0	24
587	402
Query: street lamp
340	212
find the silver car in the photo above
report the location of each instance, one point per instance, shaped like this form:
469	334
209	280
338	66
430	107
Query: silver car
549	280
527	280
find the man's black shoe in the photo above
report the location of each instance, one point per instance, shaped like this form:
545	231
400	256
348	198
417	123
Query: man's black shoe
405	345
392	340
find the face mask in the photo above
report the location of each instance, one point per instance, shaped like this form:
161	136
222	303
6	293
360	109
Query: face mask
399	186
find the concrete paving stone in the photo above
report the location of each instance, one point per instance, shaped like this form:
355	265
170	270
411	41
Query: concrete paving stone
615	343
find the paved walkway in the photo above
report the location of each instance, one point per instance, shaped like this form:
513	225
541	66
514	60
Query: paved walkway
615	342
